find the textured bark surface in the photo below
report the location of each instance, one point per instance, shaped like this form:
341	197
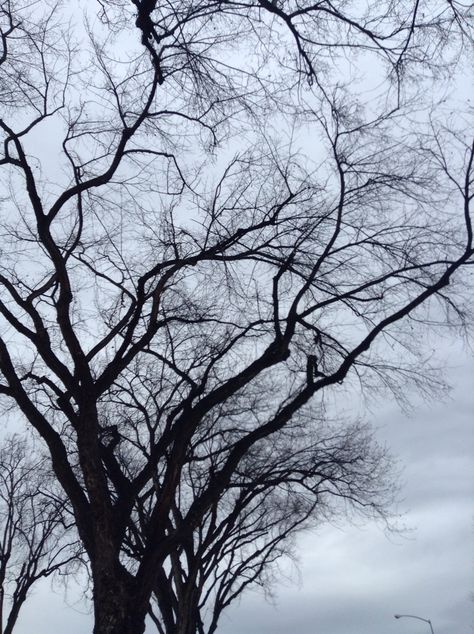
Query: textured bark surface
115	611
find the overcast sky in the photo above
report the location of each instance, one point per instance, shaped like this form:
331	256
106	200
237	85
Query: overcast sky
354	579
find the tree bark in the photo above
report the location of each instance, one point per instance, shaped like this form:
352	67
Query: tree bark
115	608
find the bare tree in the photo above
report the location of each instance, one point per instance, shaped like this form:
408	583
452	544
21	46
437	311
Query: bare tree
221	229
33	529
300	479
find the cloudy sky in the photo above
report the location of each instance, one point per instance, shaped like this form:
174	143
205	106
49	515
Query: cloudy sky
353	579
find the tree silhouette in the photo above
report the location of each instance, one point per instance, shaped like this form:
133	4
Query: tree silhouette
214	214
34	539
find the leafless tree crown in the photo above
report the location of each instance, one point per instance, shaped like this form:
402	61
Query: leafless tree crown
213	215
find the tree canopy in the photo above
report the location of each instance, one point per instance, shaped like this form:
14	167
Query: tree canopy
214	214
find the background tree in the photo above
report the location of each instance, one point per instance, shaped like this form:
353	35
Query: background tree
300	480
34	539
213	217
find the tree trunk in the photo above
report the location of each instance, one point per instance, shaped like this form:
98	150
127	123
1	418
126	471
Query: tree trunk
189	618
115	608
